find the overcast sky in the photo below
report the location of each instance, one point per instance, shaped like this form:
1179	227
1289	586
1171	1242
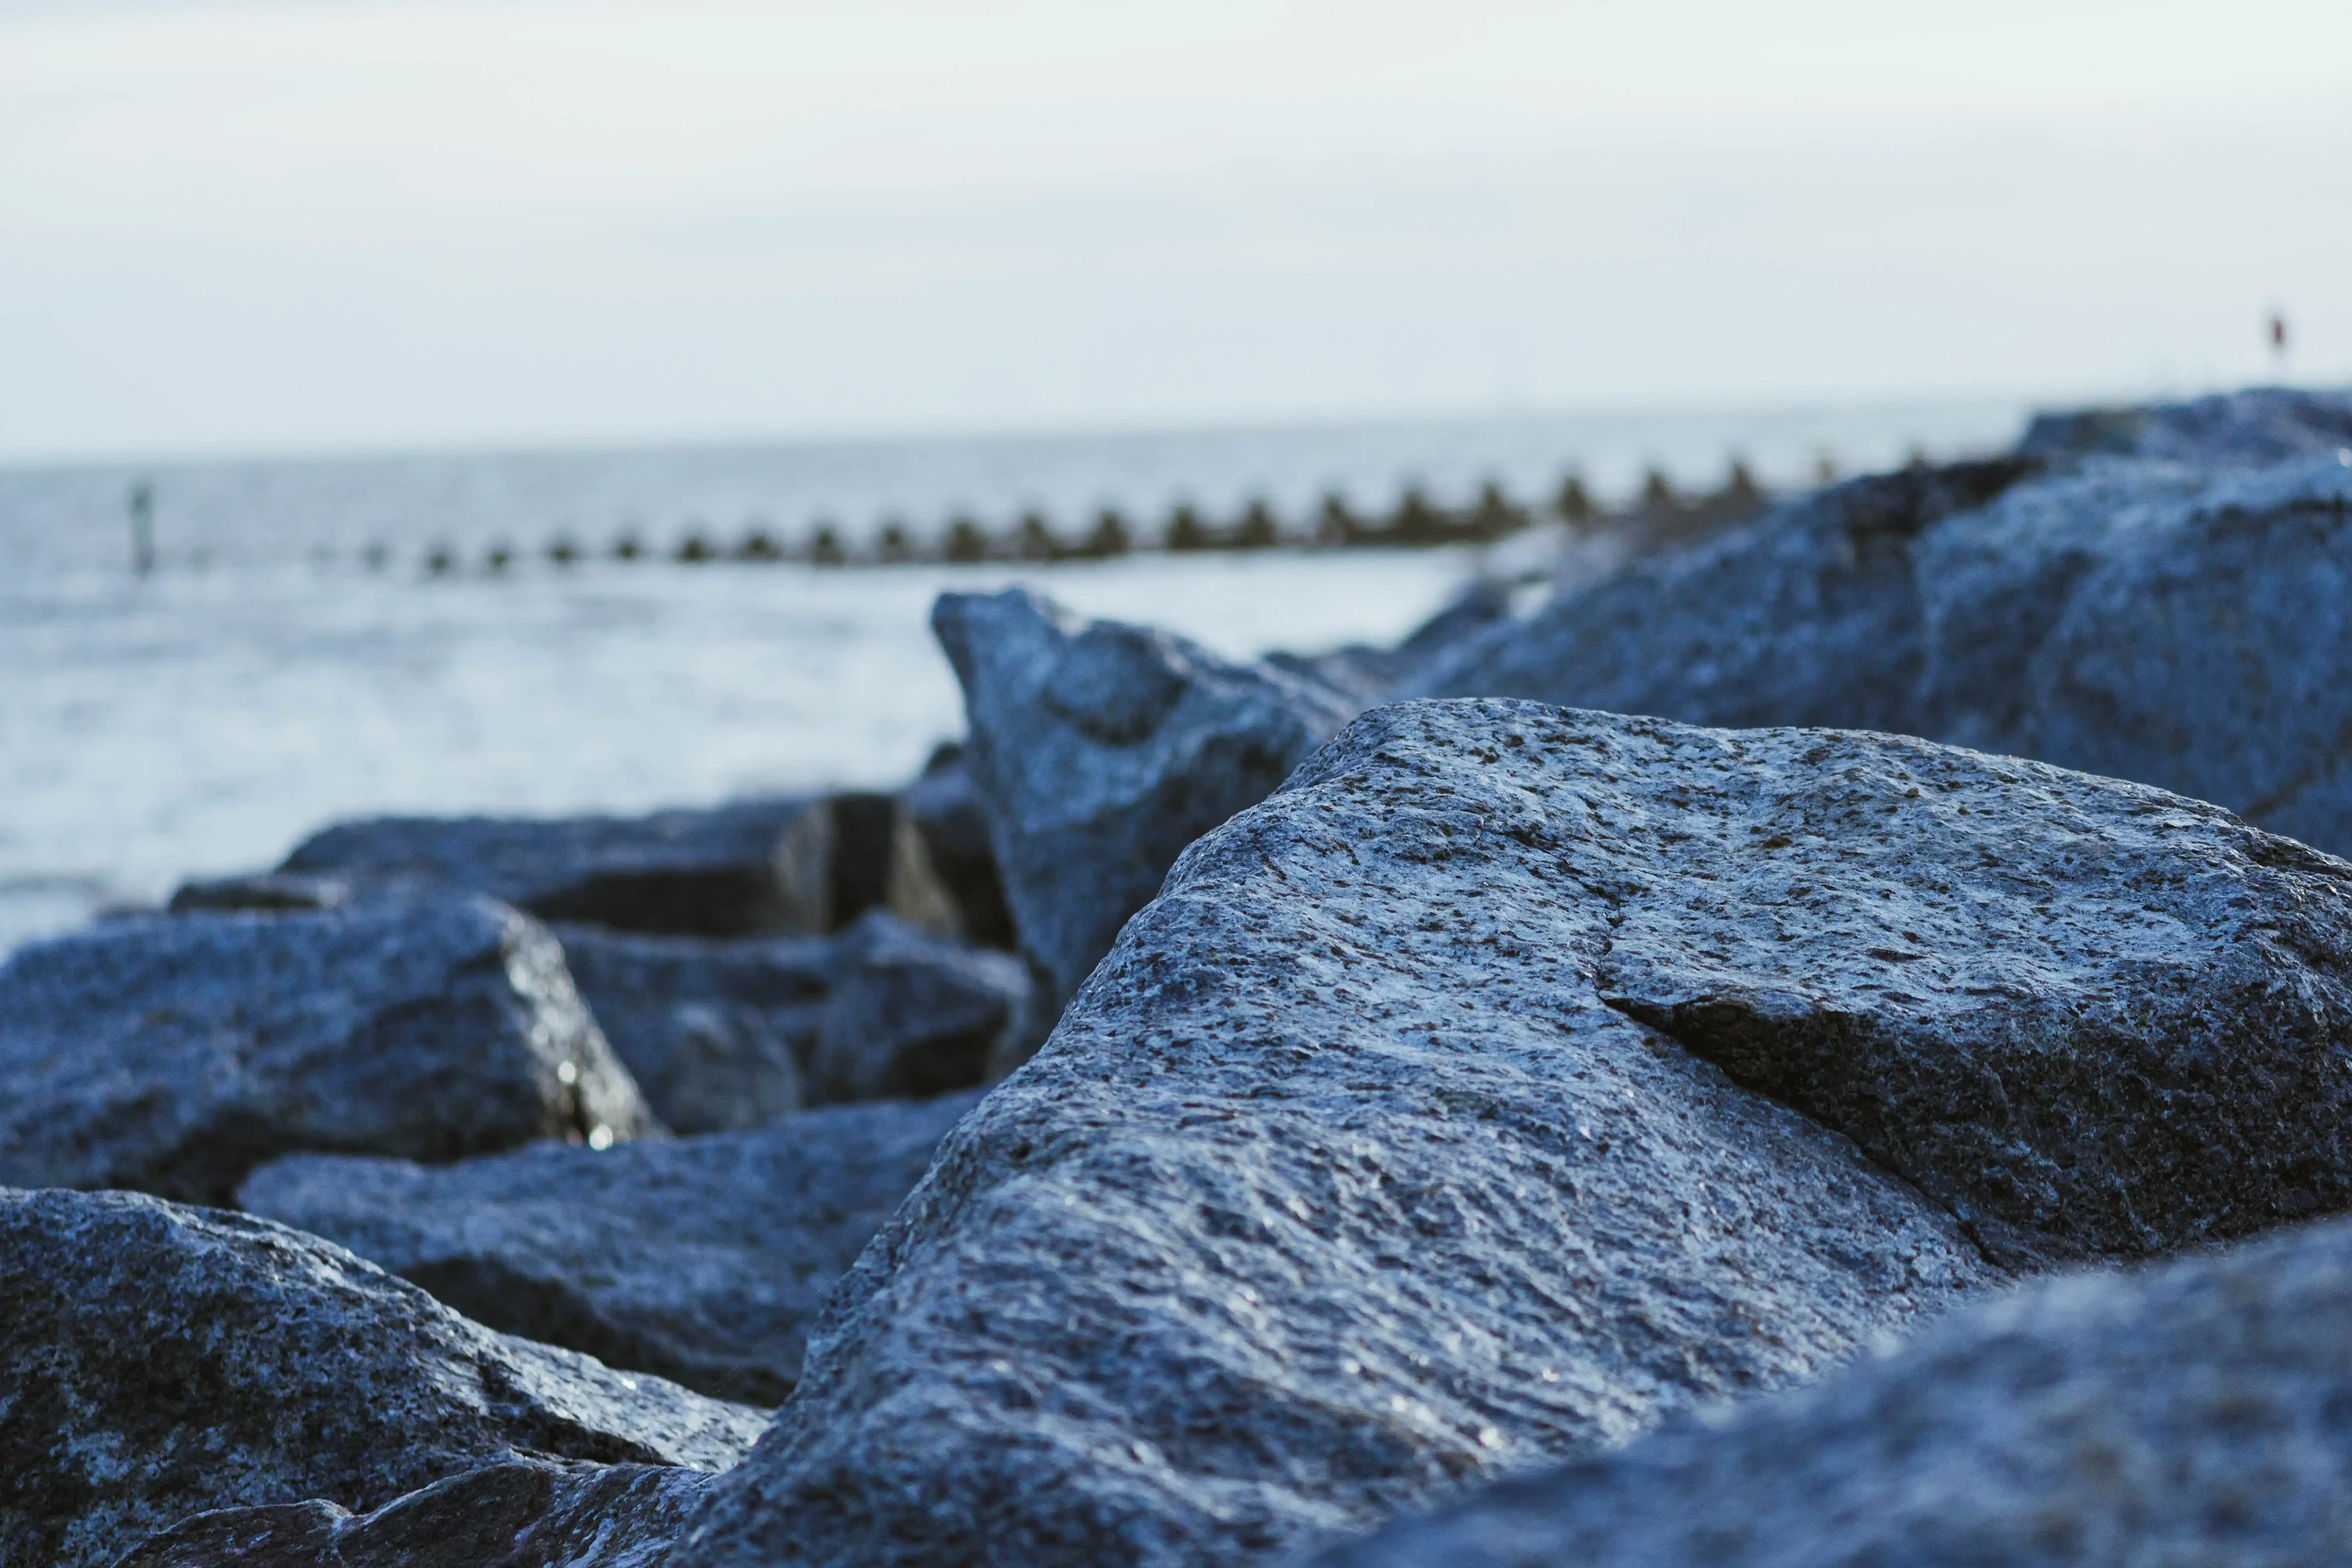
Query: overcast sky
345	224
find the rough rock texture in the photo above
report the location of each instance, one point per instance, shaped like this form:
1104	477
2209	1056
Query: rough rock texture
521	1513
730	1035
702	1260
1809	616
1101	751
707	873
156	1362
1341	1182
2188	1414
2259	425
173	1055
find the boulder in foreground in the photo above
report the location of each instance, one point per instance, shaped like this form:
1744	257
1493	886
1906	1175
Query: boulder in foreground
1386	1150
2191	1413
160	1362
701	1259
173	1055
1101	750
1341	1186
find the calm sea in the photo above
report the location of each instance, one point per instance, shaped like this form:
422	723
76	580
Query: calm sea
263	680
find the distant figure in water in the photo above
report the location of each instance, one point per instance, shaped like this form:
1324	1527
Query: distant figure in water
142	528
2278	336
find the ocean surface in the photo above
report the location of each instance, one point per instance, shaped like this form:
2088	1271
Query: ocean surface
265	678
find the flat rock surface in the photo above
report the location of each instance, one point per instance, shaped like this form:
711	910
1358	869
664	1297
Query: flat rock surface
2192	1412
710	872
1101	750
520	1513
173	1055
1342	1184
702	1260
159	1361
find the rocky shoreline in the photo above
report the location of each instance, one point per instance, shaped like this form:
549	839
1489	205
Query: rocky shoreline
1825	1043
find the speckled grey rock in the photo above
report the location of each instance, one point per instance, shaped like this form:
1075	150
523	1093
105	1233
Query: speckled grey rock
710	872
1342	1184
2190	1414
2258	425
159	1360
1101	751
728	1035
1809	616
702	1260
171	1054
520	1513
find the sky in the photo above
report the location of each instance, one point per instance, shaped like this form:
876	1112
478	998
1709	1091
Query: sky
341	224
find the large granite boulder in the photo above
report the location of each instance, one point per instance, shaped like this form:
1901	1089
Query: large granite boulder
156	1362
1101	750
702	1260
2191	1413
1341	1186
728	1035
792	862
1386	1151
173	1055
518	1513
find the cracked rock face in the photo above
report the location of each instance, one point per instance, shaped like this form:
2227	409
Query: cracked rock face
161	1361
701	1259
1101	750
2189	1413
173	1055
1343	1184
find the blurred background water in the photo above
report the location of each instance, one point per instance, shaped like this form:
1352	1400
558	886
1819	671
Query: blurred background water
266	679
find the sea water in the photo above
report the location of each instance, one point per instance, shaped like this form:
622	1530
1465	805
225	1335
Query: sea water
264	680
